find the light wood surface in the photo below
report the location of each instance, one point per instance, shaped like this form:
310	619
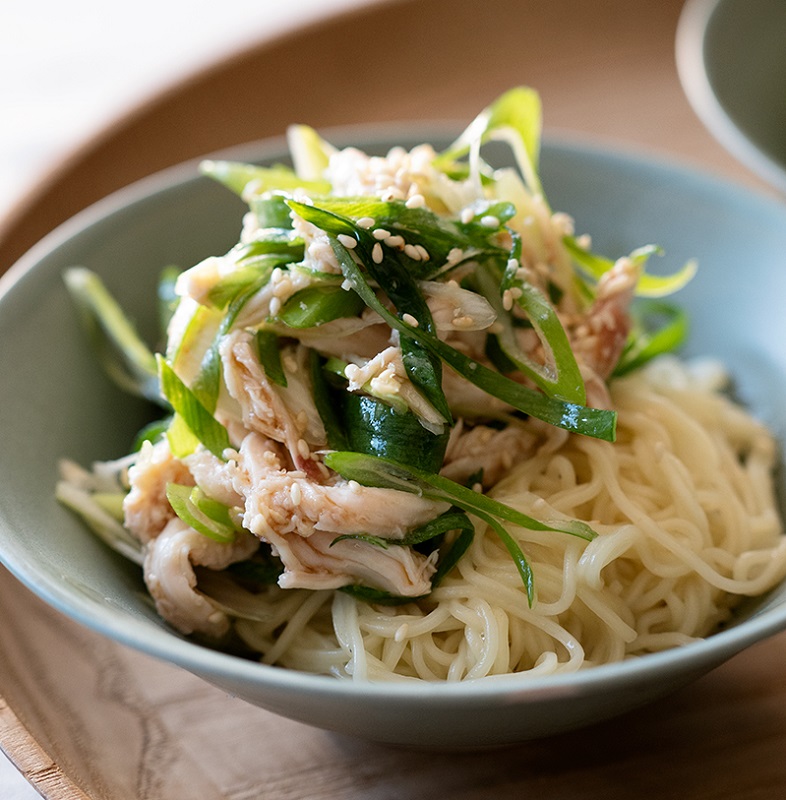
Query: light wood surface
84	717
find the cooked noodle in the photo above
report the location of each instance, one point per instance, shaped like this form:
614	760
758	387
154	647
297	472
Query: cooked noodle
684	507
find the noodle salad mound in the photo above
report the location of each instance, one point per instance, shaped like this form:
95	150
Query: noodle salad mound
413	427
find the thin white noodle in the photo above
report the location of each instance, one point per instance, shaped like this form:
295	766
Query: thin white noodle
683	504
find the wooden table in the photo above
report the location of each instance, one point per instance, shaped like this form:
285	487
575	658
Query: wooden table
84	717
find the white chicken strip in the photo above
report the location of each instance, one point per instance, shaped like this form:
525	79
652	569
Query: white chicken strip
287	508
146	507
287	416
316	563
169	564
488	449
280	501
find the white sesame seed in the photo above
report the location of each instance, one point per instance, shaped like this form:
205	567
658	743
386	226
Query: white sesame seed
276	275
455	255
295	494
302	448
283	288
348	241
467	215
275	306
507	300
366	222
410	320
395	241
380	234
424	256
302	420
489	221
376	253
354	487
401	632
416	201
463	322
411	251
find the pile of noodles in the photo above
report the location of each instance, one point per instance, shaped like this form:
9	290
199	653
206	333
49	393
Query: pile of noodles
683	504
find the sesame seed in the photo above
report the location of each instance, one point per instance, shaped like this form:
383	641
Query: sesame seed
295	494
411	251
507	300
395	241
354	487
366	222
275	306
348	241
424	256
489	221
410	320
376	253
455	255
302	420
416	201
467	215
302	448
380	234
463	322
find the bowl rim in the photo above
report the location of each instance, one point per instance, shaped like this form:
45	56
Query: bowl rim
690	54
168	645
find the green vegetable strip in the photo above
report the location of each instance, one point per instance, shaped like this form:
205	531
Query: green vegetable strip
422	368
188	503
598	423
384	473
388	474
516	117
648	285
269	352
317	305
124	356
519	559
240	177
336	438
211	433
567	384
645	342
208	382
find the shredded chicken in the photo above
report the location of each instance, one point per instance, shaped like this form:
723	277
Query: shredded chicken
316	563
489	450
169	564
289	418
599	338
146	507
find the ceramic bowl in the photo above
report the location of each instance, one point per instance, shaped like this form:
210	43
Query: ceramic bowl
731	56
56	402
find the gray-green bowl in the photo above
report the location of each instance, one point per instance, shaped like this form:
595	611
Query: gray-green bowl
55	402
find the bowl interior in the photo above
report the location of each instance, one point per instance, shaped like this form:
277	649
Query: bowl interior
55	402
732	58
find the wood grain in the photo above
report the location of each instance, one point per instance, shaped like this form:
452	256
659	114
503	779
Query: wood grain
84	717
107	723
